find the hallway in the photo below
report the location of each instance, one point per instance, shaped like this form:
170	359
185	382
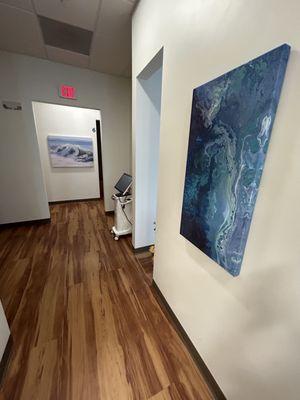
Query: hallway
84	320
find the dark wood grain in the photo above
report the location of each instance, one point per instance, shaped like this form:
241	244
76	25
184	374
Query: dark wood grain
84	320
5	359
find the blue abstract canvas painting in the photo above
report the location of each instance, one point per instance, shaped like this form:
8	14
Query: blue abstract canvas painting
231	122
70	151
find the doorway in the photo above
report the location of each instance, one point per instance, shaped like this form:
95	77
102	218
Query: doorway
69	151
147	136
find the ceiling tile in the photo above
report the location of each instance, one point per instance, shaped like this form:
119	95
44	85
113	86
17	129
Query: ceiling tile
20	32
111	46
67	57
24	4
66	36
111	55
82	13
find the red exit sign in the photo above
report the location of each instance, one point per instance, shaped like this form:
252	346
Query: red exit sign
67	92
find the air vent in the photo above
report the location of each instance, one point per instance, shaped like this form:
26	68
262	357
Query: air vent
65	36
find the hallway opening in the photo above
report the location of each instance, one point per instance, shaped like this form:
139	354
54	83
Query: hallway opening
62	132
146	151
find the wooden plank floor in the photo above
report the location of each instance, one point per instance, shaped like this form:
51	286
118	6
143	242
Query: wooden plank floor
84	321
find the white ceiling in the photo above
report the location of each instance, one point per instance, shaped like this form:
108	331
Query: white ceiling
109	20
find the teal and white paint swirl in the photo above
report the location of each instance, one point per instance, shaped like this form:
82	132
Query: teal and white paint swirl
231	123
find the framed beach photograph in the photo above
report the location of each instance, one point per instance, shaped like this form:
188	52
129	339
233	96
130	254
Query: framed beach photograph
70	151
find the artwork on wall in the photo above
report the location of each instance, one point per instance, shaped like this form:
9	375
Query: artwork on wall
231	122
70	151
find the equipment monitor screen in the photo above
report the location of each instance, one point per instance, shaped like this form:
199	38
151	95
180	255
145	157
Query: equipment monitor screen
124	183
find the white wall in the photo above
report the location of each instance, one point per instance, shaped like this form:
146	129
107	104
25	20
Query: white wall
147	150
247	328
67	183
26	79
4	331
